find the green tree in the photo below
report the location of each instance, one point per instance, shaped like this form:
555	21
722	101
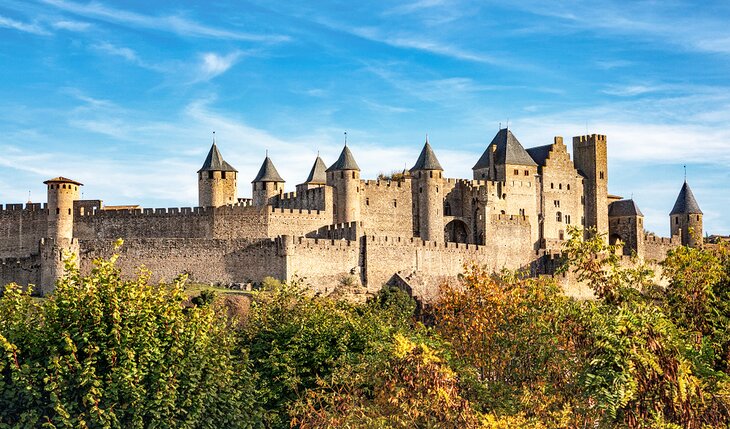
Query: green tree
104	352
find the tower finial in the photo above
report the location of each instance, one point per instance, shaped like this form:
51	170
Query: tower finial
213	137
267	153
685	173
345	138
426	137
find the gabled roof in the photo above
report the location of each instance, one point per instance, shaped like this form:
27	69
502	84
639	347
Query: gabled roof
317	175
624	208
540	153
345	162
686	202
61	179
267	172
508	151
427	160
214	161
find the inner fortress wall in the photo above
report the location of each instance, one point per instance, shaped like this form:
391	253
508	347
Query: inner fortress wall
204	260
295	222
21	228
319	198
176	222
387	207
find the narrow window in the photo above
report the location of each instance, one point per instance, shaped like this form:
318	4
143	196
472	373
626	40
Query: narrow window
342	174
568	185
552	186
420	190
522	212
395	203
567	219
353	174
676	220
430	174
69	211
601	174
58	210
210	175
223	174
559	217
367	201
560	186
517	172
527	172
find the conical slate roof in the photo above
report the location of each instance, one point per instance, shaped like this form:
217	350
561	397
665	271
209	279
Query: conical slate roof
345	162
509	151
686	202
268	173
214	161
624	208
317	176
427	160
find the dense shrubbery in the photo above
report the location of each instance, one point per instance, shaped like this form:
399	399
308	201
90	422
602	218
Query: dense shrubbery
504	351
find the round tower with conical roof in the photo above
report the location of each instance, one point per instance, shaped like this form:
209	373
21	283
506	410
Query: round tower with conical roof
216	181
268	184
344	177
686	218
427	176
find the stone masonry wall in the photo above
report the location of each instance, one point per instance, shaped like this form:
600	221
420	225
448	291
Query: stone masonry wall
21	227
387	207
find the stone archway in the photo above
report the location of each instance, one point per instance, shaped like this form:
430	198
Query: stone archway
456	232
614	238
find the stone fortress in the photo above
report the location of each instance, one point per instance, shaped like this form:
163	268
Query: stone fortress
340	233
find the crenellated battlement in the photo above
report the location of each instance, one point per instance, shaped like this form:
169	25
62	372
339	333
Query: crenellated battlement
505	219
417	242
383	183
589	138
30	207
339	231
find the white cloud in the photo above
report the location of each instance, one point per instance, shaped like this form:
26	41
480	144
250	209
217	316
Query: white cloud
70	25
173	23
212	65
119	51
33	28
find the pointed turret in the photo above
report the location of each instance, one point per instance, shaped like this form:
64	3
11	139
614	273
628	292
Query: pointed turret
267	184
686	202
344	177
267	172
686	217
216	180
504	150
427	160
318	173
345	162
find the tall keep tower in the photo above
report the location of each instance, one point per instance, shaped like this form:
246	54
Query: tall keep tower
216	181
591	160
62	193
428	194
686	218
344	177
267	184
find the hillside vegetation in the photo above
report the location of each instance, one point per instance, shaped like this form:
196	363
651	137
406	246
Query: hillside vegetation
495	352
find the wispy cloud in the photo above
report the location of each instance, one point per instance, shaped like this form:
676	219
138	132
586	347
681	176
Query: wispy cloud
33	27
212	65
70	25
171	23
118	51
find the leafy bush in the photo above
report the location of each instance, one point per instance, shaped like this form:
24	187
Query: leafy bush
111	353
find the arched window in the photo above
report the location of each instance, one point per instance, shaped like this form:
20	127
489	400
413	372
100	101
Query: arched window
559	217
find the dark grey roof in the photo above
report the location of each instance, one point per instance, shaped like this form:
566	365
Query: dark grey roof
427	160
540	153
317	175
61	179
214	161
686	202
624	208
508	151
345	162
268	173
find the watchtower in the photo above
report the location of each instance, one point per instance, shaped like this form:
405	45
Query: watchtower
686	218
344	177
267	184
591	160
62	193
626	224
216	181
428	191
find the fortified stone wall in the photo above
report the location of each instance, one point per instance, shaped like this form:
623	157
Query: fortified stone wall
21	227
182	222
341	231
324	265
656	248
204	260
295	222
387	207
240	221
318	198
21	270
508	242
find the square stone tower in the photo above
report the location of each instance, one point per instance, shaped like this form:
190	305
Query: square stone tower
591	160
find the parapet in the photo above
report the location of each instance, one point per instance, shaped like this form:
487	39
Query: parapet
30	207
591	138
339	231
411	242
504	219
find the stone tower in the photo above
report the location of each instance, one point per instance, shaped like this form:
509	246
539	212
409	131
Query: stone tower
62	193
589	157
216	181
267	184
344	177
626	224
427	176
686	218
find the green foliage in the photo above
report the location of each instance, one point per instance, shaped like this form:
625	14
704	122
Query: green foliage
105	352
206	297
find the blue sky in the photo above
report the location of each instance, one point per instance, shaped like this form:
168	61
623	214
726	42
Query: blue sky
124	96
